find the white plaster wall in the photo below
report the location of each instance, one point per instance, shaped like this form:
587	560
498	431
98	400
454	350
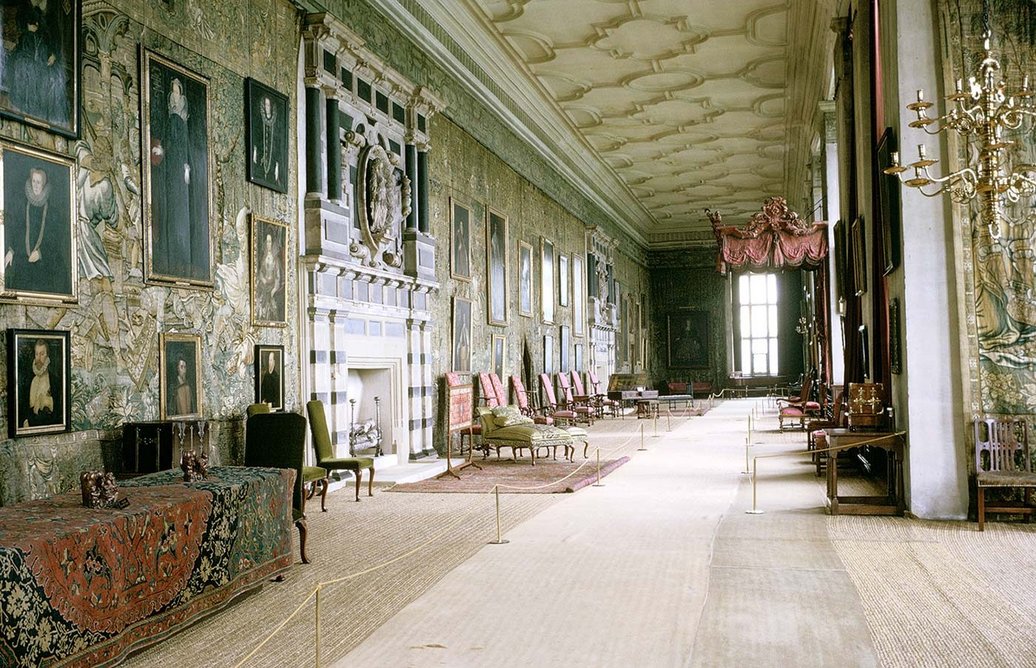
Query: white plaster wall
936	464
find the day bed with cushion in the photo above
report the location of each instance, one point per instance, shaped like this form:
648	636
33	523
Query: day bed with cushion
506	427
325	452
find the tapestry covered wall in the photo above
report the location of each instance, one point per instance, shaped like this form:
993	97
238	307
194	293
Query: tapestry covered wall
116	323
998	279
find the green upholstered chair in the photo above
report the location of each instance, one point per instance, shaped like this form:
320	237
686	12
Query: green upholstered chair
325	452
313	477
278	440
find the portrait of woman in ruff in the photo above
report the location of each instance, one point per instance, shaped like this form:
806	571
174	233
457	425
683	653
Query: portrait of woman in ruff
39	210
177	174
268	117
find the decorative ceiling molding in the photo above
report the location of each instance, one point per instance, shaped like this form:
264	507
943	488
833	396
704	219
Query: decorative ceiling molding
652	113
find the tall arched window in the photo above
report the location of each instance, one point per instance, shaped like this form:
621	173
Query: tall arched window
757	313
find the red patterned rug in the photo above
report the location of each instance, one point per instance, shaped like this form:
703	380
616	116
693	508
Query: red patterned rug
516	477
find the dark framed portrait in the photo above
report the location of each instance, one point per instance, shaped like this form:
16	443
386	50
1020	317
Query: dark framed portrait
267	140
525	278
565	344
180	376
175	105
496	268
688	339
499	355
39	224
461	334
858	251
578	296
39	391
269	376
460	241
269	270
888	202
548	353
39	68
563	280
547	296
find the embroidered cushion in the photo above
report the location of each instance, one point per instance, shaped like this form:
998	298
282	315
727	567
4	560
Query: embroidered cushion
508	416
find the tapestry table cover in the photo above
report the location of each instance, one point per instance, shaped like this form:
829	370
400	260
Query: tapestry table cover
83	586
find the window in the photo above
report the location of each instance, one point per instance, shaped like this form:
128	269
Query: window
757	297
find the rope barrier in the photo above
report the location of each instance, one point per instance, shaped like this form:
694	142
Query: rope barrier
449	529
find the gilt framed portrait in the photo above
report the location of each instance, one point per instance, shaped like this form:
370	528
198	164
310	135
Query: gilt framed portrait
269	241
525	279
175	144
499	355
578	296
39	392
460	241
269	376
547	297
179	376
461	334
496	268
39	226
267	136
39	66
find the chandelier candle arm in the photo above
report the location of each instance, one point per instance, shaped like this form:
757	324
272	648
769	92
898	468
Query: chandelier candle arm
992	111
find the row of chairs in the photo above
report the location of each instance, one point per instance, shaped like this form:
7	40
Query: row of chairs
576	406
278	440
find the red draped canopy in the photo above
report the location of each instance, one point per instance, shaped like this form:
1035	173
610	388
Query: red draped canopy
774	238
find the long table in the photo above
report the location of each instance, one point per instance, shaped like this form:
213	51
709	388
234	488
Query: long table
86	586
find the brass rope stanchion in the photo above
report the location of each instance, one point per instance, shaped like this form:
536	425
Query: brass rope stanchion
316	607
499	539
747	444
642	447
754	510
598	483
655	422
668	419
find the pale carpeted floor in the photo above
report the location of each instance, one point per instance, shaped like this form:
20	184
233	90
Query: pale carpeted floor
659	567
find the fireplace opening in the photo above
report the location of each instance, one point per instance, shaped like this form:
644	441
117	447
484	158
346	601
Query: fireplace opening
369	392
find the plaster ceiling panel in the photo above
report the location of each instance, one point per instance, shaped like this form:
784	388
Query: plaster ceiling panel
583	117
615	102
566	21
656	108
563	87
648	37
594	66
678	112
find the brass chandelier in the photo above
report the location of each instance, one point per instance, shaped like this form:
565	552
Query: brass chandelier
984	115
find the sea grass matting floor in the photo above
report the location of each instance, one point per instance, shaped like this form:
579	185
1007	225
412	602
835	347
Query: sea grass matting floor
516	477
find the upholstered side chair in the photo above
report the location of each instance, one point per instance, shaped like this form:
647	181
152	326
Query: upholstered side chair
278	440
314	478
325	452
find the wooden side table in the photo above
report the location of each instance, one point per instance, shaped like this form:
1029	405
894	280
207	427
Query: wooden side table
647	408
893	502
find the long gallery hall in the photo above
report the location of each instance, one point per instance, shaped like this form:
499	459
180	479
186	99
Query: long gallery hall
517	332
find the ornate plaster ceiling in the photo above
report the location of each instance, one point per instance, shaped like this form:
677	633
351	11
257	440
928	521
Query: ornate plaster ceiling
659	108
